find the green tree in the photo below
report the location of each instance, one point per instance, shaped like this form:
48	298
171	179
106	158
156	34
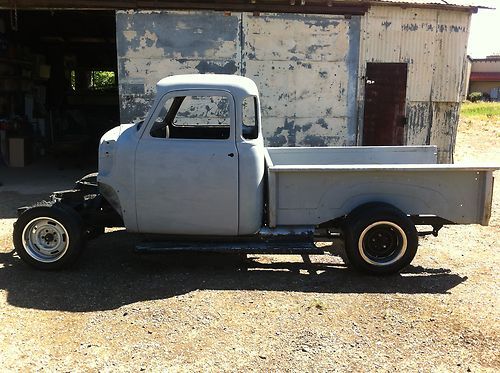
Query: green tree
102	79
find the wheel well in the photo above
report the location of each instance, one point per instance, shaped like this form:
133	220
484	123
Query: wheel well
341	220
370	206
94	209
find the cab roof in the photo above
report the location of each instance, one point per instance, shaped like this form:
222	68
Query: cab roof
237	85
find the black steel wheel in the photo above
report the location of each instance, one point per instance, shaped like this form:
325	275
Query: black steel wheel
380	239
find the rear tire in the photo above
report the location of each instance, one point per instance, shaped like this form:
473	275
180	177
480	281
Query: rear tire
380	239
48	237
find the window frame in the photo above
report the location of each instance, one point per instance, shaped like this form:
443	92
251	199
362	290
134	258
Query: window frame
191	92
256	104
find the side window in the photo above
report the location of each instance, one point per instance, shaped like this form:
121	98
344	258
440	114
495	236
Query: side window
160	126
194	117
250	129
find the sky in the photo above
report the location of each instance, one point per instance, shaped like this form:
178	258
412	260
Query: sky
484	38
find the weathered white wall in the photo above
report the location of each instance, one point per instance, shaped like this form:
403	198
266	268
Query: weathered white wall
153	45
433	43
484	87
304	65
309	68
486	66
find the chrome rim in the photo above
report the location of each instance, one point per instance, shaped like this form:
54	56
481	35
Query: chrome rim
45	239
382	243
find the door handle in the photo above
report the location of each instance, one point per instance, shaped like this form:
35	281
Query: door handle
231	155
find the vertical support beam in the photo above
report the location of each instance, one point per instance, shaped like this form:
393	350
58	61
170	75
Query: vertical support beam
352	85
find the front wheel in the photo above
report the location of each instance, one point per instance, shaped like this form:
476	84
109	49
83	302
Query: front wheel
48	237
380	239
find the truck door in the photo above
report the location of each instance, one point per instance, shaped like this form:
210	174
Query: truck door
186	169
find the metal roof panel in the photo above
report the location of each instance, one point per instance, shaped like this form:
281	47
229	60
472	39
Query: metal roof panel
486	4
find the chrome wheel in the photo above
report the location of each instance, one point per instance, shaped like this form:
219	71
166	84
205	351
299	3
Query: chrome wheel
382	243
45	239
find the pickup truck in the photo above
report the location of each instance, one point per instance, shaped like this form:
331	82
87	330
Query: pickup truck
195	175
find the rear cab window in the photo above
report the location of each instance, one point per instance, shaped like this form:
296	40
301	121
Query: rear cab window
250	125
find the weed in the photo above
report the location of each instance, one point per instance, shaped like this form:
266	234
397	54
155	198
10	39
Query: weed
486	110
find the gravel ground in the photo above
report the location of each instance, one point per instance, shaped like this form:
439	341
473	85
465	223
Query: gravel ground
120	311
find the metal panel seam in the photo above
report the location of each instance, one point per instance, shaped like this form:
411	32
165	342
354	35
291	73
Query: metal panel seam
352	83
487	200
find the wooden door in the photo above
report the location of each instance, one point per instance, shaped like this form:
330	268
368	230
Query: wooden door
385	93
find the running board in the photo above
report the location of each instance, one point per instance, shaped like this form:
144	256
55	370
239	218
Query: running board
299	248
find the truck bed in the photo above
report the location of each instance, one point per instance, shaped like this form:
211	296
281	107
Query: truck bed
310	186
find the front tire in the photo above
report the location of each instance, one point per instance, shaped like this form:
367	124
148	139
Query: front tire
48	237
380	239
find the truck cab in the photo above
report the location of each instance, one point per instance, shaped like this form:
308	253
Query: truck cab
195	165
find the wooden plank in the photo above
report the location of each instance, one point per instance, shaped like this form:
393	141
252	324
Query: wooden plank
323	7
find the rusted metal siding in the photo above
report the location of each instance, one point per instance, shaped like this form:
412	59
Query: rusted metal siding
419	122
450	56
443	131
433	43
305	66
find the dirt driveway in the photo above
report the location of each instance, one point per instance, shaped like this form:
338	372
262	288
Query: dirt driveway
120	311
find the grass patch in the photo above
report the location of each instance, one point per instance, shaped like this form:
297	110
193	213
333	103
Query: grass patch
480	109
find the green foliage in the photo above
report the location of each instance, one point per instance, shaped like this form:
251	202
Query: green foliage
73	80
475	96
102	79
481	109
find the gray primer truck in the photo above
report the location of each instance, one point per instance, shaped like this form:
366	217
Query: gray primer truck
195	175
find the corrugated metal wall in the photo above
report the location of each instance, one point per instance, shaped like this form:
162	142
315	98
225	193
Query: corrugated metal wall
433	43
304	65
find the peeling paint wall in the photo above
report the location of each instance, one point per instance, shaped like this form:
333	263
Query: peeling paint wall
304	65
302	69
433	43
309	68
154	44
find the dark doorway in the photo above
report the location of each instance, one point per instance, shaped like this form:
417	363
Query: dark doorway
59	90
385	92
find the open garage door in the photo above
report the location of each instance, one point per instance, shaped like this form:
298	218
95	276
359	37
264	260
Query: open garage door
59	90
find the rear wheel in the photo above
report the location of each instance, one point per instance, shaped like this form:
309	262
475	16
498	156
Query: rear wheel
380	239
48	237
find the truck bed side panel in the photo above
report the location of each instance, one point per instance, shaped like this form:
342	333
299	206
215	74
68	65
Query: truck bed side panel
313	195
336	155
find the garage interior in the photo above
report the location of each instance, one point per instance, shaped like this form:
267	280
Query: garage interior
58	86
